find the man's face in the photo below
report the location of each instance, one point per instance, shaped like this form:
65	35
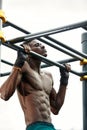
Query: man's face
38	47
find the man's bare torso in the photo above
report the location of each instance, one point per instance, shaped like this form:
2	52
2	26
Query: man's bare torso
33	92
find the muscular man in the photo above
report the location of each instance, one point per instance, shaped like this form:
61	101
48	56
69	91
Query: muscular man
35	89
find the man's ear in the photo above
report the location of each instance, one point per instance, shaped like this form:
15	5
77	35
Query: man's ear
26	47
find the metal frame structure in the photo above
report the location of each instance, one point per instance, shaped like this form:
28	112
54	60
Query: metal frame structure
76	56
47	39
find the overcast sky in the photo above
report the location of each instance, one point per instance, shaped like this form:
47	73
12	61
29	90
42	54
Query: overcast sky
37	16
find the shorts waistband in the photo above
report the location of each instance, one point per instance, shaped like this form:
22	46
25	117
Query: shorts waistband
41	123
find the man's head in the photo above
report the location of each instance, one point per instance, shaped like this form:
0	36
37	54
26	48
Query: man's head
35	46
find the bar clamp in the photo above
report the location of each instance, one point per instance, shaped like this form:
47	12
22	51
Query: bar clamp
2	37
83	62
2	16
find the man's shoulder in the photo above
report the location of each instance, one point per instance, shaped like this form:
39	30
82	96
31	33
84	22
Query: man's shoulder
47	73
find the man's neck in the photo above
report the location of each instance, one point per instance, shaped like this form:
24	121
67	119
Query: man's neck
35	64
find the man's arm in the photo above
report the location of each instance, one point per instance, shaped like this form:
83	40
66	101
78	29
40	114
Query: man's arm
57	99
8	87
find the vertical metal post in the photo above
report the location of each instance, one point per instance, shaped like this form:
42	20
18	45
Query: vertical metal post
84	84
0	29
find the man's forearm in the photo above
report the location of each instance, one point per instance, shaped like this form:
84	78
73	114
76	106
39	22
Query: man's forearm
9	86
61	96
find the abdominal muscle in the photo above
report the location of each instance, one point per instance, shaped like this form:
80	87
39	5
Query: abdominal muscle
36	106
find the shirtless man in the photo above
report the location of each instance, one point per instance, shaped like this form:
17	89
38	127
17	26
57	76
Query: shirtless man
35	89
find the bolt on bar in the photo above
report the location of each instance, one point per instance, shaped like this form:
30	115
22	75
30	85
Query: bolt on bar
49	32
53	40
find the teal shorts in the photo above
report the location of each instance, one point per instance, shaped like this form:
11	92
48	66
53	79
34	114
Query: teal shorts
40	126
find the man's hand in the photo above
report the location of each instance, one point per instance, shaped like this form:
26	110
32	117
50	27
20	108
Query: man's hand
64	74
21	57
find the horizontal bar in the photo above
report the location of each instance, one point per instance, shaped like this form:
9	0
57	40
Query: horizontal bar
8	23
56	47
53	63
4	74
56	30
42	58
44	65
14	47
83	73
48	32
61	62
8	73
67	47
26	33
62	50
85	28
6	62
53	40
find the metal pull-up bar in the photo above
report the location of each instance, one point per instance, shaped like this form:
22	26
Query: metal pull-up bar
67	47
44	59
81	55
60	49
49	32
42	66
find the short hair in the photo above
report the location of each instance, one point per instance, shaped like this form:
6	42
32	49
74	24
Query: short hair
27	42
